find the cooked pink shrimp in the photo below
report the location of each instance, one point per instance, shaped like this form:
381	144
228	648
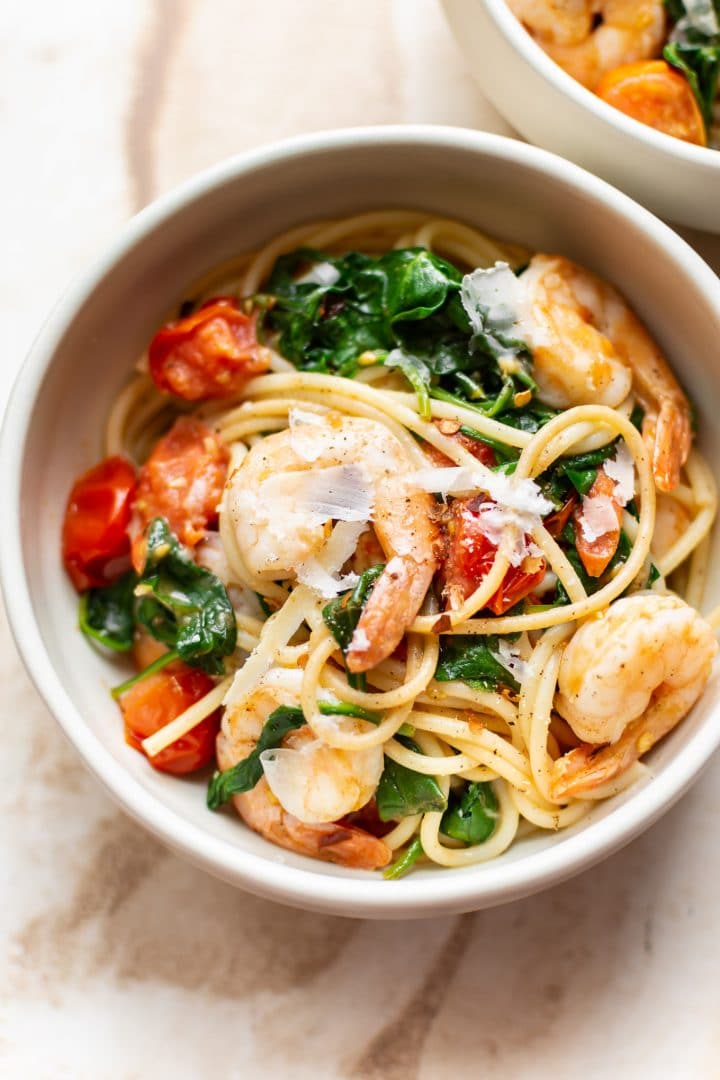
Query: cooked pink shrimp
307	786
590	37
286	491
589	347
626	680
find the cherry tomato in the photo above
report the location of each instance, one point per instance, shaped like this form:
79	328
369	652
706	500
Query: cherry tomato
555	523
470	556
596	554
157	700
476	447
95	541
182	481
657	95
210	354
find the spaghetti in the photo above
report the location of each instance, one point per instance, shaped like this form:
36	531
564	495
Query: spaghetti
437	551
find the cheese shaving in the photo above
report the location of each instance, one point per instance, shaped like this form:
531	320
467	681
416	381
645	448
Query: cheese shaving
339	492
509	656
515	507
599	517
322	273
621	469
276	633
320	573
494	300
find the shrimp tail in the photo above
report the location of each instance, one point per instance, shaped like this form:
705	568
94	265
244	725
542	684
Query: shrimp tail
346	845
669	437
391	608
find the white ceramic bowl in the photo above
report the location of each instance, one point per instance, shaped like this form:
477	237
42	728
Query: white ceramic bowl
679	181
84	355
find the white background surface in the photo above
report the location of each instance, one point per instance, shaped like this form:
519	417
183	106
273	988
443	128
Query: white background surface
122	961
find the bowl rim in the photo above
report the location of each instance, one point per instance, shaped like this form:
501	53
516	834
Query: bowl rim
353	893
534	55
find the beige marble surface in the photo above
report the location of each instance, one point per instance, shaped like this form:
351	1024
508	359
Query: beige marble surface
121	961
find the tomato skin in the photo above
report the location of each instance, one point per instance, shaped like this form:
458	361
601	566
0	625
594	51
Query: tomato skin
156	701
656	94
95	526
556	522
596	554
470	556
209	354
476	447
182	481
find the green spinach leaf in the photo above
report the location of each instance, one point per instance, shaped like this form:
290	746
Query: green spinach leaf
473	816
184	605
343	614
694	49
404	862
403	792
106	615
472	660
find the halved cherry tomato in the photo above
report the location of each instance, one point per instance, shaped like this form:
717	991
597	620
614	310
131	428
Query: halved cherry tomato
654	93
95	541
470	556
182	481
157	700
555	523
476	447
210	354
596	554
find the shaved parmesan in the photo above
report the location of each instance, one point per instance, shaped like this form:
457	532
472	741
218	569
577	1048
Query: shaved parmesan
320	573
494	300
509	656
322	273
621	469
276	633
599	516
297	416
340	493
701	16
515	507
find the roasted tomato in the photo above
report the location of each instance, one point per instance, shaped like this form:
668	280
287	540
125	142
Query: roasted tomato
182	481
157	700
210	354
95	541
476	447
596	554
555	523
470	556
657	95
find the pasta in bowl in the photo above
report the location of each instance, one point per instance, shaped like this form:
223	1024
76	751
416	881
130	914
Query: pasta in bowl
77	403
406	532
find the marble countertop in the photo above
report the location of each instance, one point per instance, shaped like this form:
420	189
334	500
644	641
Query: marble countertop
119	959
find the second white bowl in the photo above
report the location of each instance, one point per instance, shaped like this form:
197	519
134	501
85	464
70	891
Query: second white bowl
548	107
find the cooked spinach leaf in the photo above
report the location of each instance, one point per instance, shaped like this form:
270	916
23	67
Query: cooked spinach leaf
184	605
473	816
106	615
404	862
403	792
472	659
330	310
343	614
694	49
417	374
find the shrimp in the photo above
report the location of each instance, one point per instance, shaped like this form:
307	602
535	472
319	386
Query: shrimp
626	680
588	38
307	785
288	488
589	347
